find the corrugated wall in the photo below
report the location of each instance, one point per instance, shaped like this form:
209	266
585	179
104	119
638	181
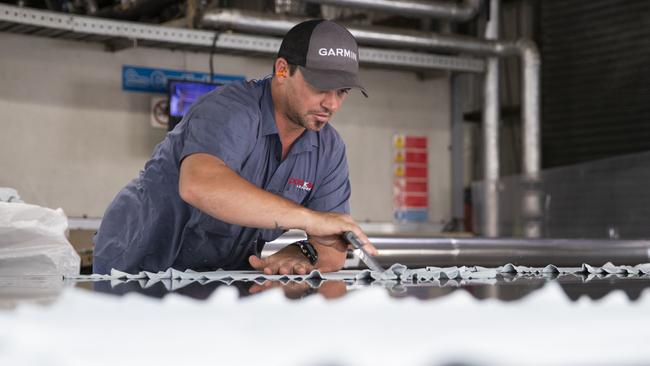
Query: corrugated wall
608	198
595	79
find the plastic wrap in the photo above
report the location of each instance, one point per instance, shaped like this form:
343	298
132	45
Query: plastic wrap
9	195
33	241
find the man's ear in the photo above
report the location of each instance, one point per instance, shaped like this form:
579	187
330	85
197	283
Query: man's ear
281	68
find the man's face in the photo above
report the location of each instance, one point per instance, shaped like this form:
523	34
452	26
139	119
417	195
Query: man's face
309	107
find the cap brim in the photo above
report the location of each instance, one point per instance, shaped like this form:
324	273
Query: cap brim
332	79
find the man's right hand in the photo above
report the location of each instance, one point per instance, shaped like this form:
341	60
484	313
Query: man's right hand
334	224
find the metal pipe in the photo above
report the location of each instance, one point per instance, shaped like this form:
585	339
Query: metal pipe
133	9
277	24
248	21
492	252
499	251
491	118
525	49
531	192
457	150
440	10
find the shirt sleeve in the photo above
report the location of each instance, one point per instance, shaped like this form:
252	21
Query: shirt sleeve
222	129
333	193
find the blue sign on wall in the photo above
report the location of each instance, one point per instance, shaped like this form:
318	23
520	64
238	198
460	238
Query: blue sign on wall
412	215
150	80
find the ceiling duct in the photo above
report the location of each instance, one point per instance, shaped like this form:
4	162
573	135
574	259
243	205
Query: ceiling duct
274	24
134	9
290	7
438	10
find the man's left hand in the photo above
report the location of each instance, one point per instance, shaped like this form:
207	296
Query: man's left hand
290	260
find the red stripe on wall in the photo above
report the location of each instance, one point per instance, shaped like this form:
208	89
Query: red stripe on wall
415	142
416	157
415	172
416	187
416	201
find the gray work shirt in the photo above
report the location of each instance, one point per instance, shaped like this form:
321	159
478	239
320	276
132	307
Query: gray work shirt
149	227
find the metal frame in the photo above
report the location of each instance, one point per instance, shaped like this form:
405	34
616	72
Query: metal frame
75	27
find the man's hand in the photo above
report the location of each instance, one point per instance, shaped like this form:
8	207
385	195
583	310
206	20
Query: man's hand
288	260
330	226
331	250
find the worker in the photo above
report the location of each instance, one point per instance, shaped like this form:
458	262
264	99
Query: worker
248	162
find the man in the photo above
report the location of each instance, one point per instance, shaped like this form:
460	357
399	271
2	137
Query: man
248	162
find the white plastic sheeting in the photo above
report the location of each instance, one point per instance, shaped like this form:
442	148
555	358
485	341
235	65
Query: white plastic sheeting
33	241
363	328
15	291
9	195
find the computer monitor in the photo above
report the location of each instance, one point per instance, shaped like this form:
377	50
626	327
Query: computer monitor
182	94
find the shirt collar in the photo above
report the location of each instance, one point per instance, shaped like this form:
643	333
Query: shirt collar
268	111
306	142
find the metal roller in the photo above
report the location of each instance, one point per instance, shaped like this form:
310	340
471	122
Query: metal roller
492	252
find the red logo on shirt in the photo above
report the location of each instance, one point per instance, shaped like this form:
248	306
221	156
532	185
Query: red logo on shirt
301	184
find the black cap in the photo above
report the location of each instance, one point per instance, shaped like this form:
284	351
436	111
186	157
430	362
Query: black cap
327	54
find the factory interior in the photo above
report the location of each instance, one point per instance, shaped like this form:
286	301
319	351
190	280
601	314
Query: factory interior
496	179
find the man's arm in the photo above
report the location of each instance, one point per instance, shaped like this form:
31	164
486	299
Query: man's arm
208	184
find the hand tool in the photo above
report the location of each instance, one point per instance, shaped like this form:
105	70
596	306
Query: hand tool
371	262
